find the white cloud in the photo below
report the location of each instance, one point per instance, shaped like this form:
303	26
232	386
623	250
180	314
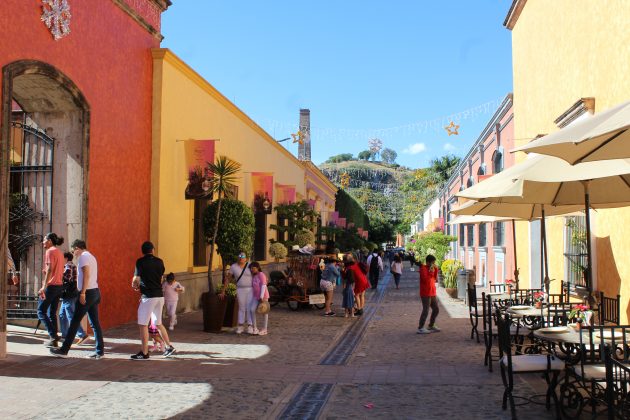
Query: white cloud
449	147
415	148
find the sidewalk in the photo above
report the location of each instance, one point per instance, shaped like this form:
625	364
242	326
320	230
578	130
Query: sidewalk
308	366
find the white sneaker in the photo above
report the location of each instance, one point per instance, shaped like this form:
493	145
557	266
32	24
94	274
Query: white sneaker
239	329
171	328
255	331
423	331
434	328
250	330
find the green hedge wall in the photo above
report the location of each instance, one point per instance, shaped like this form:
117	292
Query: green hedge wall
351	210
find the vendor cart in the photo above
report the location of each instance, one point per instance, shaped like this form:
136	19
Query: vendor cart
303	281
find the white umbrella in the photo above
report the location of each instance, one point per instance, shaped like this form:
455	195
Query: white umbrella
603	136
552	182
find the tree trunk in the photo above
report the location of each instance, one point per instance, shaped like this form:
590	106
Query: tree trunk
214	239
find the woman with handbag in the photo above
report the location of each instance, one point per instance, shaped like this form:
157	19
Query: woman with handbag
244	293
260	295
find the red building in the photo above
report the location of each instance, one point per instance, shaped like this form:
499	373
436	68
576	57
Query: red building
487	248
76	136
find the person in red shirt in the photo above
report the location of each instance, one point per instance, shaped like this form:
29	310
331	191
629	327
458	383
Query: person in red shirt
52	286
428	295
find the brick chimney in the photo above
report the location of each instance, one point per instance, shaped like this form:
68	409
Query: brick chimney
304	150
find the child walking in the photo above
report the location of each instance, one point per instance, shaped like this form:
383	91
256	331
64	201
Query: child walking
260	293
154	333
171	289
348	294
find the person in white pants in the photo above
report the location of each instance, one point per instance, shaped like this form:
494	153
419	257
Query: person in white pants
260	293
171	289
240	272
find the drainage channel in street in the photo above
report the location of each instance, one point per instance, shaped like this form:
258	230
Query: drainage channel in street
310	398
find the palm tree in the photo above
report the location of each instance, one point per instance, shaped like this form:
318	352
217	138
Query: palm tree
224	172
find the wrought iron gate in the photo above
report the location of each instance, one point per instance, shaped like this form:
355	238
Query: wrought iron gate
30	212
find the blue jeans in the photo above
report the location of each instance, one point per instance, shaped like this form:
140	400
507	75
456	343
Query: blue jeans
66	312
92	299
47	309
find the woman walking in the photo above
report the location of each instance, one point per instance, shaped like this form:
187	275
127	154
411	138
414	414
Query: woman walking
260	294
396	269
360	281
52	287
327	283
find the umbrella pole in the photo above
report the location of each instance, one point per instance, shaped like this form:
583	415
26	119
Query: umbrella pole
514	246
589	255
543	233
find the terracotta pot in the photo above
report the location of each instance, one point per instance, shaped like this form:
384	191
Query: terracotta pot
213	312
452	292
538	305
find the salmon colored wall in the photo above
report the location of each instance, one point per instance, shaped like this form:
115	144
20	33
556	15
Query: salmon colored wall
108	56
564	51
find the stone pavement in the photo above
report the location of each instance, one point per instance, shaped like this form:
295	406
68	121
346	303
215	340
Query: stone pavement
309	366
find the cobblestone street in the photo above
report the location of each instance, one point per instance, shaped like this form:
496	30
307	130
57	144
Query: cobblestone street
309	366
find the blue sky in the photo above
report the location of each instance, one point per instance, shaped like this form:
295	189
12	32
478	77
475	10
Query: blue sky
393	70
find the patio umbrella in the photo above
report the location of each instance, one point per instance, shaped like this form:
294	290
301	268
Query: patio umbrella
552	182
514	211
603	136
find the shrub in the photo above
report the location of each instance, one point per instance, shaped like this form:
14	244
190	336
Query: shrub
449	273
305	237
236	228
277	250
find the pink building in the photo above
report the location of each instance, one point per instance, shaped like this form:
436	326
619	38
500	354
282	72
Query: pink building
486	248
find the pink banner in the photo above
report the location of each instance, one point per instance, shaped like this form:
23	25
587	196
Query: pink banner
262	186
285	194
341	222
334	216
198	154
312	203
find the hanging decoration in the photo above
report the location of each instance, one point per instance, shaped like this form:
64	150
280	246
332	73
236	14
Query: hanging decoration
198	153
262	186
285	194
452	129
298	137
56	15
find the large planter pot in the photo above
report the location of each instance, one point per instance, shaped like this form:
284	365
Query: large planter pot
231	312
452	292
213	312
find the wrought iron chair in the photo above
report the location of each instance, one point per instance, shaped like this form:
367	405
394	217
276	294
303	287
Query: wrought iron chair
490	307
497	287
512	365
617	388
523	296
473	311
585	383
609	310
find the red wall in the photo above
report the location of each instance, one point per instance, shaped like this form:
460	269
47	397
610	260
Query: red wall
107	55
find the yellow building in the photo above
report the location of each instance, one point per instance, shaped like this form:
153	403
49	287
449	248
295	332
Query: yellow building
572	58
185	106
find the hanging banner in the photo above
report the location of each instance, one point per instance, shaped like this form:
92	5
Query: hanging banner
341	222
285	194
262	186
198	154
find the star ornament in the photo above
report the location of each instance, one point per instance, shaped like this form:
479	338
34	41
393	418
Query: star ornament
298	137
452	129
56	15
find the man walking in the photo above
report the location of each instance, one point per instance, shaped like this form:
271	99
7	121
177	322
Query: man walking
89	299
148	279
52	287
375	264
428	295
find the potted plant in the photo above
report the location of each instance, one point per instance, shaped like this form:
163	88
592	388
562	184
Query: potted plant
235	233
539	299
278	251
581	314
509	284
449	274
231	304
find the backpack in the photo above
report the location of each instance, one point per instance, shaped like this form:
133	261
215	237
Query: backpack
70	289
374	264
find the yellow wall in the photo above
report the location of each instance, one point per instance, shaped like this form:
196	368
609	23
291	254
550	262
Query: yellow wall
188	107
564	50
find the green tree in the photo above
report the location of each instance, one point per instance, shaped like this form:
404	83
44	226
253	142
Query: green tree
235	231
299	216
365	155
381	231
224	177
343	157
389	156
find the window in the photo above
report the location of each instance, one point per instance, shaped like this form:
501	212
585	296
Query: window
482	234
497	161
575	252
499	234
200	246
470	235
461	235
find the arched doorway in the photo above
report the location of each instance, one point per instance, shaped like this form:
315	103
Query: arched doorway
43	174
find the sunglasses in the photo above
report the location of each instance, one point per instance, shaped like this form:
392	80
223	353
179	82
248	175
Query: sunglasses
242	256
